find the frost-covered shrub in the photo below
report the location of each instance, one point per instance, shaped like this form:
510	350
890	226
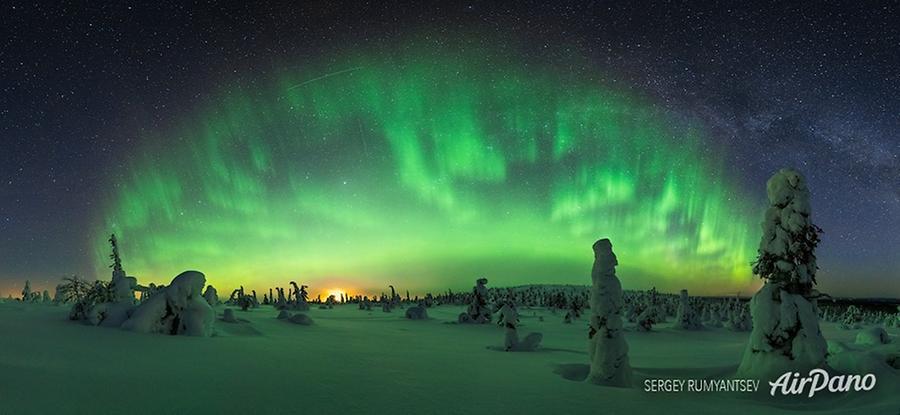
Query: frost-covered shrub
85	296
606	342
786	334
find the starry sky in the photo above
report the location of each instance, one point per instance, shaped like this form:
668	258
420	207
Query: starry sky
356	145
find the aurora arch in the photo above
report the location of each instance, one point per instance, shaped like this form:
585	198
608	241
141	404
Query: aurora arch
425	171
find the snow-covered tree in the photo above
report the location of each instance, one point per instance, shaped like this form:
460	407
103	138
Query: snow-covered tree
509	319
740	318
57	295
301	297
178	309
87	298
121	285
395	298
26	292
715	318
478	311
786	334
211	295
240	298
607	348
852	318
686	317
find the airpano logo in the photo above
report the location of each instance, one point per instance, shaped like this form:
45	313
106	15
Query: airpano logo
819	380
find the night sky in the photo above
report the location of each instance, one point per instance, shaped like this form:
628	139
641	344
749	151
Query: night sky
352	146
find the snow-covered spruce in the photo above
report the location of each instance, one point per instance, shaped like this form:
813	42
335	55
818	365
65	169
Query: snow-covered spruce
740	318
786	334
686	317
301	298
395	298
58	295
509	319
211	295
651	312
478	311
852	319
715	318
122	286
178	309
26	292
606	344
112	303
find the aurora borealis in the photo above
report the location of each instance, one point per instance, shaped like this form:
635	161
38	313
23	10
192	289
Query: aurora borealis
351	146
426	170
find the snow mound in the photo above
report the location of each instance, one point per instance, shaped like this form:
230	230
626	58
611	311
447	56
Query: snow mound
873	336
301	319
417	312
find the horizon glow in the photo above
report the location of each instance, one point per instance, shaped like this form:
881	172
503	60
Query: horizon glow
426	172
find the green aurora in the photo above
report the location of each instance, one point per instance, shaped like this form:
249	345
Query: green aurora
426	171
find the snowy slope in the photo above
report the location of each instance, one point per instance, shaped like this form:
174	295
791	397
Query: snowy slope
353	361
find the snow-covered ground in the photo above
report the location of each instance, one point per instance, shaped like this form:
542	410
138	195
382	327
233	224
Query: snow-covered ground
353	361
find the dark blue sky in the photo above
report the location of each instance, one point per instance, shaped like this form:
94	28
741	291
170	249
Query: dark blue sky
813	86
